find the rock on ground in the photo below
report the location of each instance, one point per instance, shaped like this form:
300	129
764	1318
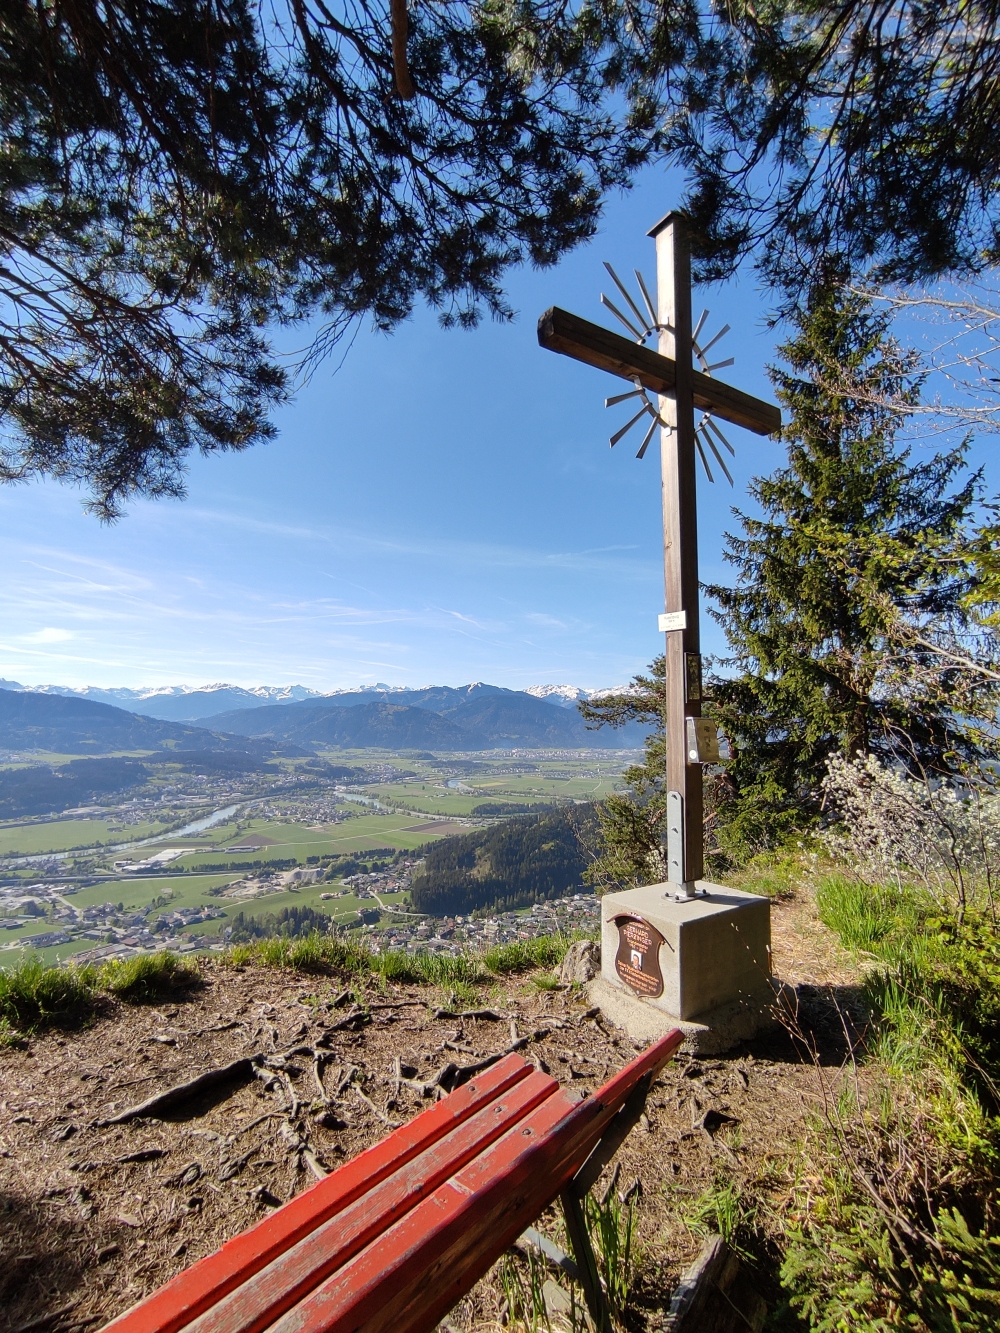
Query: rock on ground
581	963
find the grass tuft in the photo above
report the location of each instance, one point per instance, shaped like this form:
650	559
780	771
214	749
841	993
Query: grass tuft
722	1210
146	977
526	955
33	995
864	916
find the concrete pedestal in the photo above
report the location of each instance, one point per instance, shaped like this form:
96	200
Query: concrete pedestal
703	965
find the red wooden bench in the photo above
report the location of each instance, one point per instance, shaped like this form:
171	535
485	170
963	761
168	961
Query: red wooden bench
392	1240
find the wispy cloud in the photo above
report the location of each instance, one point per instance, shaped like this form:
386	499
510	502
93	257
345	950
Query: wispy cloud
629	560
50	635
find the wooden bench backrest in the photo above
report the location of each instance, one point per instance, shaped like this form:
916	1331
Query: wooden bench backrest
394	1238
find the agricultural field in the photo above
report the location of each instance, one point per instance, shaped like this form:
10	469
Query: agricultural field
34	837
284	840
475	784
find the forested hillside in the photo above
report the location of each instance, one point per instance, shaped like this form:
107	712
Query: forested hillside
79	726
522	861
39	789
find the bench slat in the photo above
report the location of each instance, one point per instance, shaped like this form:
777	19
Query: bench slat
392	1240
414	1272
294	1273
199	1287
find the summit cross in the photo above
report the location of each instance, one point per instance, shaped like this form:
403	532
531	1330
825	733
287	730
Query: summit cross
669	373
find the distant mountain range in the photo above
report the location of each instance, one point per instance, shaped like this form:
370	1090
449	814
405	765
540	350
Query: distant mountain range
30	721
477	717
176	703
183	703
473	717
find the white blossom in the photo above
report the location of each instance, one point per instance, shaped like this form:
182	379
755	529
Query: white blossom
900	830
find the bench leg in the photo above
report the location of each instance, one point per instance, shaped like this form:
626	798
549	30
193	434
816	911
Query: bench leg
586	1261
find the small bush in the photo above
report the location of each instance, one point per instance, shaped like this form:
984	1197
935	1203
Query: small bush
902	831
146	977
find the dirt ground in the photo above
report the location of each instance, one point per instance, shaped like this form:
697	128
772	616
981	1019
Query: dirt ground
95	1215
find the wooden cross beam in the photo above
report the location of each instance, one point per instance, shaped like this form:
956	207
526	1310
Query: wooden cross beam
669	373
559	331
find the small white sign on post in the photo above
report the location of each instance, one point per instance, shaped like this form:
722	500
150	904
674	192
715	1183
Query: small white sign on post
672	620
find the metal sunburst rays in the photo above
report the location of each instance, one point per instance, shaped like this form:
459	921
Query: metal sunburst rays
642	324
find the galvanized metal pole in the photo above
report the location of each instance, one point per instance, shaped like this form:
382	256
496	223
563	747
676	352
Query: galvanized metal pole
685	839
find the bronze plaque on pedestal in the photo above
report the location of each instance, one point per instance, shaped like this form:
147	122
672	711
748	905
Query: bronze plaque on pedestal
638	959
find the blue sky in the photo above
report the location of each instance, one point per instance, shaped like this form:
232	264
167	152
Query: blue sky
442	509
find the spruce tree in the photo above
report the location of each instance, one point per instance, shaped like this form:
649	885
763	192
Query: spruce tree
856	536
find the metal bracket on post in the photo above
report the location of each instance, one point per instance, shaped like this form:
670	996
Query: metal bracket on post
684	889
675	837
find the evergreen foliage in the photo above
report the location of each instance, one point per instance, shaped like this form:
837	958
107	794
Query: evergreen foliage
631	824
857	539
176	179
855	536
177	176
864	128
41	790
522	861
289	923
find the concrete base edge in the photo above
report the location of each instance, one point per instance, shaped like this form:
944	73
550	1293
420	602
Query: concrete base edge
710	1033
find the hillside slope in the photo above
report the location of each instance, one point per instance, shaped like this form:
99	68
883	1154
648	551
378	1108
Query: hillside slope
524	860
475	718
40	790
66	725
520	719
388	726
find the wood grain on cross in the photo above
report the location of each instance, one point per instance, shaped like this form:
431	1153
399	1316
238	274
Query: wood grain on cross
669	373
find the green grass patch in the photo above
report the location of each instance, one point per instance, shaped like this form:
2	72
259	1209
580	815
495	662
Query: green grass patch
324	953
33	995
526	955
63	835
893	1222
147	977
780	872
865	916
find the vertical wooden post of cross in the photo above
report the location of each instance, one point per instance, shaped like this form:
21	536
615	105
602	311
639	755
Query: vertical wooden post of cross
669	373
685	845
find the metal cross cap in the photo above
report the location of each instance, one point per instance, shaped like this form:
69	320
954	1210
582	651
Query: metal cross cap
681	389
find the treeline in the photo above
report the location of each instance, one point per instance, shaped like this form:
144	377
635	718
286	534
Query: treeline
290	922
526	860
510	808
335	866
350	863
283	863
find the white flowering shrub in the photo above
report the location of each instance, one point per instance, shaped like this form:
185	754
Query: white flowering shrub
899	830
